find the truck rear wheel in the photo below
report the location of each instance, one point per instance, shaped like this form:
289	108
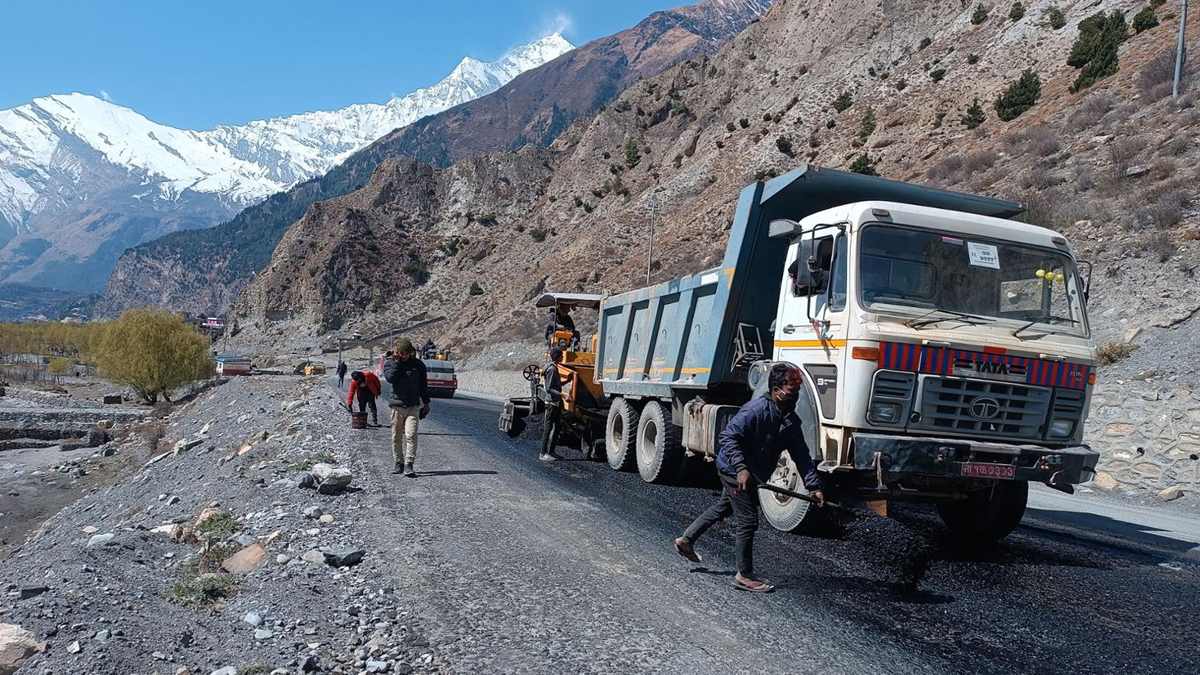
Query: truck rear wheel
988	514
659	451
787	513
620	435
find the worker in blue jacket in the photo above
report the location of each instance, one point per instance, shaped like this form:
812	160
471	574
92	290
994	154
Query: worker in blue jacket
749	452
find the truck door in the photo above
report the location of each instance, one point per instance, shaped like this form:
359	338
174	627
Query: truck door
811	324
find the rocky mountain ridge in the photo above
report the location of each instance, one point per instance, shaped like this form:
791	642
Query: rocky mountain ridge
201	272
81	178
1110	166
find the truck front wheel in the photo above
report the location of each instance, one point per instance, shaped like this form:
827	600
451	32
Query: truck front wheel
620	435
659	452
988	514
787	513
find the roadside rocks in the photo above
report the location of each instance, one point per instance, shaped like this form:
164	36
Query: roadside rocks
16	644
346	557
246	560
331	479
1170	494
101	540
185	444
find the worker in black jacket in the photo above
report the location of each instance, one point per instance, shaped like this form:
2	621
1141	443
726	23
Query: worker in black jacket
552	385
749	451
409	403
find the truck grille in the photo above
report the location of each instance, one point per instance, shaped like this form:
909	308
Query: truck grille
983	407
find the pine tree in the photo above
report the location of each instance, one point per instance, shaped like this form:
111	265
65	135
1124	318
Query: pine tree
863	164
1020	96
974	116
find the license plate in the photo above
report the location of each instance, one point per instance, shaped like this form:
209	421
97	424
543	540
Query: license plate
987	470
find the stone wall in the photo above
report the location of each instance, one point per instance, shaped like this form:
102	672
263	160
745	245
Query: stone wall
1148	436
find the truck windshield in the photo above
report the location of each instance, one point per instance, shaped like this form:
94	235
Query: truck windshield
965	279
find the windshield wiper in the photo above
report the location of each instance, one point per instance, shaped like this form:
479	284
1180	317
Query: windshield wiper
969	319
1042	319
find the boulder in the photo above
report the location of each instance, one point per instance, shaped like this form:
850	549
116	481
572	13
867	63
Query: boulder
185	444
101	539
331	479
16	645
304	479
345	557
1170	494
313	512
246	560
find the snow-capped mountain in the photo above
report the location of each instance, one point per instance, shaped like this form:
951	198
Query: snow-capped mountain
81	179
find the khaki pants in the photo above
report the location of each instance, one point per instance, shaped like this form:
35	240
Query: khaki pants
404	433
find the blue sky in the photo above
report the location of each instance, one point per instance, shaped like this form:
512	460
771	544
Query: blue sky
198	64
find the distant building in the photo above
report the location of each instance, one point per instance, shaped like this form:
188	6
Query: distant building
232	364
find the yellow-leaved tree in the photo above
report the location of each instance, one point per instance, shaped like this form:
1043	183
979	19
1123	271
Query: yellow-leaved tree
153	352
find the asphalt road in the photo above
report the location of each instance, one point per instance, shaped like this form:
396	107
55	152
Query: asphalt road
526	566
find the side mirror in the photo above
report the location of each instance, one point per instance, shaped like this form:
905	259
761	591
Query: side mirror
818	258
1087	281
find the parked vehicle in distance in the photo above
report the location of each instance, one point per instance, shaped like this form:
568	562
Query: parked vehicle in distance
442	380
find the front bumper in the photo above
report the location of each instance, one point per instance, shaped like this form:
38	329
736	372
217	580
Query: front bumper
945	457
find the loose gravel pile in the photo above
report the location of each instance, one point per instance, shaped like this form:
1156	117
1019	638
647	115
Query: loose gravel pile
219	554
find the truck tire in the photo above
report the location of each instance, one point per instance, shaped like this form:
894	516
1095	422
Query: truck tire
987	515
620	435
659	450
788	513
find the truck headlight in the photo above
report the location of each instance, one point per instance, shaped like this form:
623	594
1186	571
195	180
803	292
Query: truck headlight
1062	428
884	413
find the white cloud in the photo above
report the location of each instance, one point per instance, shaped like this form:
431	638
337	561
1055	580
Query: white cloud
560	22
104	95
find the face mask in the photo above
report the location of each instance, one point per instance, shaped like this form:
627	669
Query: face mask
789	401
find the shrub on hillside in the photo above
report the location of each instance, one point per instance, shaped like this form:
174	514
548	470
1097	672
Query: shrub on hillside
632	157
863	164
475	289
980	15
1155	78
938	74
784	143
925	42
867	126
1145	19
1019	96
843	101
1111	352
1095	49
901	84
974	116
1016	12
730	126
1056	18
972	59
153	352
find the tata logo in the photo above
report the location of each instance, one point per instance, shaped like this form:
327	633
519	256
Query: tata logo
1011	372
984	408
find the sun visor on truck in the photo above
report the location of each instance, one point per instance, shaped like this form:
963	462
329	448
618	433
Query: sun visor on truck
808	189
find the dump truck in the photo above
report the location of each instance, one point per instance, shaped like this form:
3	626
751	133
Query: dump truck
945	349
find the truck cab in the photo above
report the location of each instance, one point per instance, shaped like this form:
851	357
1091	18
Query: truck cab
943	351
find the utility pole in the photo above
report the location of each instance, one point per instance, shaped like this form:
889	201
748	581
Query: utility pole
650	244
1179	49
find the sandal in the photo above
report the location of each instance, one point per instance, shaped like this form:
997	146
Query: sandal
686	550
752	585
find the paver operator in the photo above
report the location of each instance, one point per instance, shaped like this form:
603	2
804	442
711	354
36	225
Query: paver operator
409	403
749	451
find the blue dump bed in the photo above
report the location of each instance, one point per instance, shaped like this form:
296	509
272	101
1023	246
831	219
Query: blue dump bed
703	331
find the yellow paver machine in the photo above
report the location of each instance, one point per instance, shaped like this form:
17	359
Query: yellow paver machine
582	404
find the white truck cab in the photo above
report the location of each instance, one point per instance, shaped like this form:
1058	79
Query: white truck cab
943	350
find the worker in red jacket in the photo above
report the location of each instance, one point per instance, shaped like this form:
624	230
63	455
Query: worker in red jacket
365	387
